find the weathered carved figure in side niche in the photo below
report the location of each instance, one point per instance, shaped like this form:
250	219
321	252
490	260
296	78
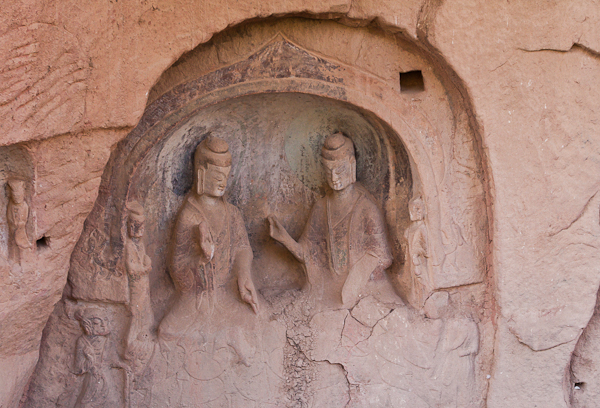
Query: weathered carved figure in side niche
17	213
345	238
140	345
209	242
96	359
417	253
454	368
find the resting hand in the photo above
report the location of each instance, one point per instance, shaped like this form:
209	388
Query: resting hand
248	293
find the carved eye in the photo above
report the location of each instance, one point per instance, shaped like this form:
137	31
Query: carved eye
341	170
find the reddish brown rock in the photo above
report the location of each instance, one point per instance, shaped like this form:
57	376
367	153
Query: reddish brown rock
524	94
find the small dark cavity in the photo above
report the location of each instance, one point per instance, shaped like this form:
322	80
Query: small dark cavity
42	243
411	82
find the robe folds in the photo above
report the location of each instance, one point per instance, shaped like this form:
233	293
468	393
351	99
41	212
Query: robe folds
202	283
331	250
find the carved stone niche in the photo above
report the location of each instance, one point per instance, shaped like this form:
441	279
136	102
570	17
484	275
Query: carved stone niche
15	167
262	111
18	273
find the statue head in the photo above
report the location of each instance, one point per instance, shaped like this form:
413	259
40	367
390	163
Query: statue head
212	164
339	161
135	220
17	190
416	209
436	305
94	321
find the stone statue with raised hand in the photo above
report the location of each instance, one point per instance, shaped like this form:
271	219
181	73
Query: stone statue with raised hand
210	242
345	238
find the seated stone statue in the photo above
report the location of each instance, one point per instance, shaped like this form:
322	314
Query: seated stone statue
209	243
345	238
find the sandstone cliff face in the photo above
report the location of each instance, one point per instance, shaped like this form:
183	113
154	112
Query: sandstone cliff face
76	79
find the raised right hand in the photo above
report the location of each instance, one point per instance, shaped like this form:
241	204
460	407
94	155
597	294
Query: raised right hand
276	230
206	241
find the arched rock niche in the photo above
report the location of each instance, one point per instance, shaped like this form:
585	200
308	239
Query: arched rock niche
275	139
15	162
274	90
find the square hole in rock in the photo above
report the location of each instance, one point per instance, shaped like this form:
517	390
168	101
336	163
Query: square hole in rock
411	81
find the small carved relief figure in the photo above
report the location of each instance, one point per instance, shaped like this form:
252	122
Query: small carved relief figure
95	359
454	370
139	343
209	242
345	232
138	265
417	253
17	213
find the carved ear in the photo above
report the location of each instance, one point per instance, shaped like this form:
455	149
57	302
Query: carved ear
200	181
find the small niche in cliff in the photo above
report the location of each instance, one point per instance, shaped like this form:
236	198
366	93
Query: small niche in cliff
411	82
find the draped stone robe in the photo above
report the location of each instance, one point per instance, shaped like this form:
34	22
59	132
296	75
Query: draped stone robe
331	251
202	283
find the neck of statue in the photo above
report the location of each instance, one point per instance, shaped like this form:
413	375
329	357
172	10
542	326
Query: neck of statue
343	194
209	200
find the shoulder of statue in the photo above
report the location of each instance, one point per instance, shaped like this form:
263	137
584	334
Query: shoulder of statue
83	341
191	206
321	203
366	199
232	209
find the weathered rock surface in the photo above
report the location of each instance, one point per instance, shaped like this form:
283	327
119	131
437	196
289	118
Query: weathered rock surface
75	79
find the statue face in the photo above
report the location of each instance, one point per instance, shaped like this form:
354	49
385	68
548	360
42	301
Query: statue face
95	326
215	180
340	173
17	193
416	211
135	227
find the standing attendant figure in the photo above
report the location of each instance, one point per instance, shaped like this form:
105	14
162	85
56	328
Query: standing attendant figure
17	214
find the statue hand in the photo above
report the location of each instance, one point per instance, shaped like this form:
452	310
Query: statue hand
206	241
276	230
94	371
279	233
248	293
416	260
184	282
138	269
